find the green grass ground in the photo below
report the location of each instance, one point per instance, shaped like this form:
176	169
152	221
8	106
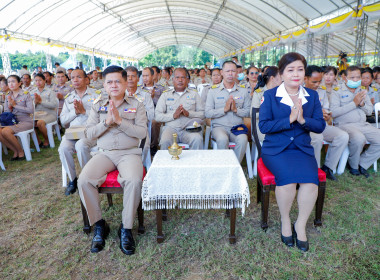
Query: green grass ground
41	235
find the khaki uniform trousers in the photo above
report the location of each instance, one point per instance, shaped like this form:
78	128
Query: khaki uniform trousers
338	139
223	136
359	133
66	150
193	139
94	175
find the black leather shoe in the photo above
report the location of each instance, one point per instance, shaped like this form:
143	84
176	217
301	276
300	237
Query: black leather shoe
363	171
72	187
353	171
21	158
329	173
127	243
287	240
302	245
14	159
101	231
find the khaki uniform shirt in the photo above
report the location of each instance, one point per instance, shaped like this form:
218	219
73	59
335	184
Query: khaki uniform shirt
323	98
170	101
144	97
344	109
65	89
68	116
373	92
24	107
199	81
216	100
125	136
96	84
29	88
158	90
49	101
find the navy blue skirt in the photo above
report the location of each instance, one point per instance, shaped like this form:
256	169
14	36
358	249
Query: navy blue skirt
292	166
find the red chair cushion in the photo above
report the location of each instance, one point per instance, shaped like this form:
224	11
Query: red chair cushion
321	175
111	180
267	178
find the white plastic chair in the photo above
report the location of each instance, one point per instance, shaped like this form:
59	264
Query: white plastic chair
1	157
232	145
377	109
24	137
200	88
342	161
49	127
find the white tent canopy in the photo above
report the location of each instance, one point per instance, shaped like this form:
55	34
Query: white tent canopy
133	29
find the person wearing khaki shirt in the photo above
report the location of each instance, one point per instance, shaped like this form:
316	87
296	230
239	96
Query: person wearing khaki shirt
202	79
118	123
61	89
176	108
75	112
95	82
226	106
349	107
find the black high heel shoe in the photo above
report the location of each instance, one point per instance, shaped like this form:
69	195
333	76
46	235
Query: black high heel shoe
287	240
302	245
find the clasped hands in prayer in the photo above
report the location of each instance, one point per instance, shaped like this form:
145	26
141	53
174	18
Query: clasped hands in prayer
180	111
296	113
11	102
230	105
113	116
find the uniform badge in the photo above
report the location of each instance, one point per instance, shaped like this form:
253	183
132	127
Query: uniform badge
97	99
258	90
26	92
67	95
220	97
103	109
170	99
238	97
98	91
130	110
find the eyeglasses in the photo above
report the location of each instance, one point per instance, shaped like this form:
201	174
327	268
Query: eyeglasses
256	73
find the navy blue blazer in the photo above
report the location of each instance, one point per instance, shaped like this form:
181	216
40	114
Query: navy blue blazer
279	132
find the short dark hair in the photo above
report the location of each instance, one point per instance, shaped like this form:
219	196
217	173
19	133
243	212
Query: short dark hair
30	77
215	69
41	76
70	69
289	58
157	69
84	72
311	69
150	70
14	76
49	73
25	66
376	69
235	57
183	69
343	72
367	70
56	63
4	80
250	67
229	62
352	68
271	71
60	72
131	69
116	69
330	68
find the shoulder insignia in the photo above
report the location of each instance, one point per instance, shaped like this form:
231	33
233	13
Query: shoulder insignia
323	87
336	88
67	95
97	99
242	86
215	86
98	91
71	85
374	88
26	92
258	90
362	87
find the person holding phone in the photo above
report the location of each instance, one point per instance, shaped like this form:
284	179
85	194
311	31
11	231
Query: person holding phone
332	134
288	114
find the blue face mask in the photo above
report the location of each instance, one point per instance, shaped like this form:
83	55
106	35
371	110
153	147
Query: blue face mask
241	76
352	84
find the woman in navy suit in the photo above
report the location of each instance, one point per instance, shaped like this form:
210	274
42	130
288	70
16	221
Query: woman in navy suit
287	114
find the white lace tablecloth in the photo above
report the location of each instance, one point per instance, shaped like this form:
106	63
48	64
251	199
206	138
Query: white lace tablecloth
202	179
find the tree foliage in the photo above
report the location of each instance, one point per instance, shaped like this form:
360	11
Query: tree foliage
187	56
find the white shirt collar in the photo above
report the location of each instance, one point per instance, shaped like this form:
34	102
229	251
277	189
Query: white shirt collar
281	92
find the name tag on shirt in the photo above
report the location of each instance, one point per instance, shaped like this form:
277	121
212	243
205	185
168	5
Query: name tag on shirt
190	98
343	96
130	110
220	97
238	97
170	99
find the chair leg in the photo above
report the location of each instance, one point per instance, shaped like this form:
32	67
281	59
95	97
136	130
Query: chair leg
160	236
35	141
164	215
227	214
265	191
49	129
319	204
86	222
259	188
109	198
140	216
26	146
58	132
232	236
1	158
249	161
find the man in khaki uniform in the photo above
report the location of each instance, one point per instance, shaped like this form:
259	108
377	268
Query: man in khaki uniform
349	107
118	124
226	105
333	134
75	112
61	89
202	79
95	82
176	108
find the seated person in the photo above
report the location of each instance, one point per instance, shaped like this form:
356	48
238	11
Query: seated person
226	106
175	108
367	79
46	103
337	137
216	78
202	79
349	106
61	89
270	79
75	112
117	129
21	105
